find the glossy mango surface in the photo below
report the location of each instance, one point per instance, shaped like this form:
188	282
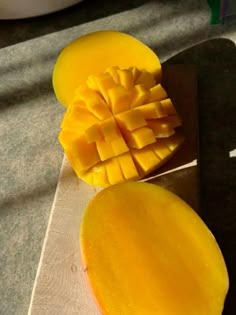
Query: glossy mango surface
93	53
146	252
120	126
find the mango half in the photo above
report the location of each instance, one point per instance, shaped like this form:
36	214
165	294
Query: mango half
146	252
119	124
93	53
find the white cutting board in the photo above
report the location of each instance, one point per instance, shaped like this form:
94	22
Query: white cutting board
60	286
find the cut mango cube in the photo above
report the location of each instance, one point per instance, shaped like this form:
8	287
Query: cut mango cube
110	129
113	71
161	130
94	102
128	167
119	99
145	159
139	95
66	137
120	126
104	82
114	173
72	125
77	118
161	149
84	154
88	177
104	149
174	142
157	93
140	138
131	120
164	148
152	110
173	120
85	94
136	73
126	78
99	109
147	79
168	106
99	175
164	127
93	133
119	146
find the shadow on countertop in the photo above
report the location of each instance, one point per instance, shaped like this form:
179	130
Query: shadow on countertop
215	63
18	30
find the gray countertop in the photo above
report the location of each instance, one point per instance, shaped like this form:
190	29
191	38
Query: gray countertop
30	156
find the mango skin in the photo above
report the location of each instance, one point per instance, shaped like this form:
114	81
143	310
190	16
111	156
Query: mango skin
146	252
93	53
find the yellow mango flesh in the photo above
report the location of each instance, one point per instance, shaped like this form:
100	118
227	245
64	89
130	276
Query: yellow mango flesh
93	54
109	120
146	252
112	120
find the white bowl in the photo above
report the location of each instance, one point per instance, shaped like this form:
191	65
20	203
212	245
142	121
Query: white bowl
17	9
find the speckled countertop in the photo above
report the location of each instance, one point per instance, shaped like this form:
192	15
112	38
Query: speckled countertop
30	156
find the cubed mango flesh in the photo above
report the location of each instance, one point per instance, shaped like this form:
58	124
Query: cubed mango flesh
131	120
139	95
119	99
126	118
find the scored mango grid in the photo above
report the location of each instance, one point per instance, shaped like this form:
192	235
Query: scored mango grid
125	111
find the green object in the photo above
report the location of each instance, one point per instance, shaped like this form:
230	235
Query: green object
215	6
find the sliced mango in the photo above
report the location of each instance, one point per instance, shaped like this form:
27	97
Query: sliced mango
139	138
110	129
145	78
139	95
66	137
157	93
128	167
164	127
146	160
93	102
136	73
126	78
77	118
165	148
152	110
97	176
104	149
104	82
131	120
93	133
146	252
115	115
114	172
81	154
168	106
119	146
161	149
93	54
174	142
119	99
